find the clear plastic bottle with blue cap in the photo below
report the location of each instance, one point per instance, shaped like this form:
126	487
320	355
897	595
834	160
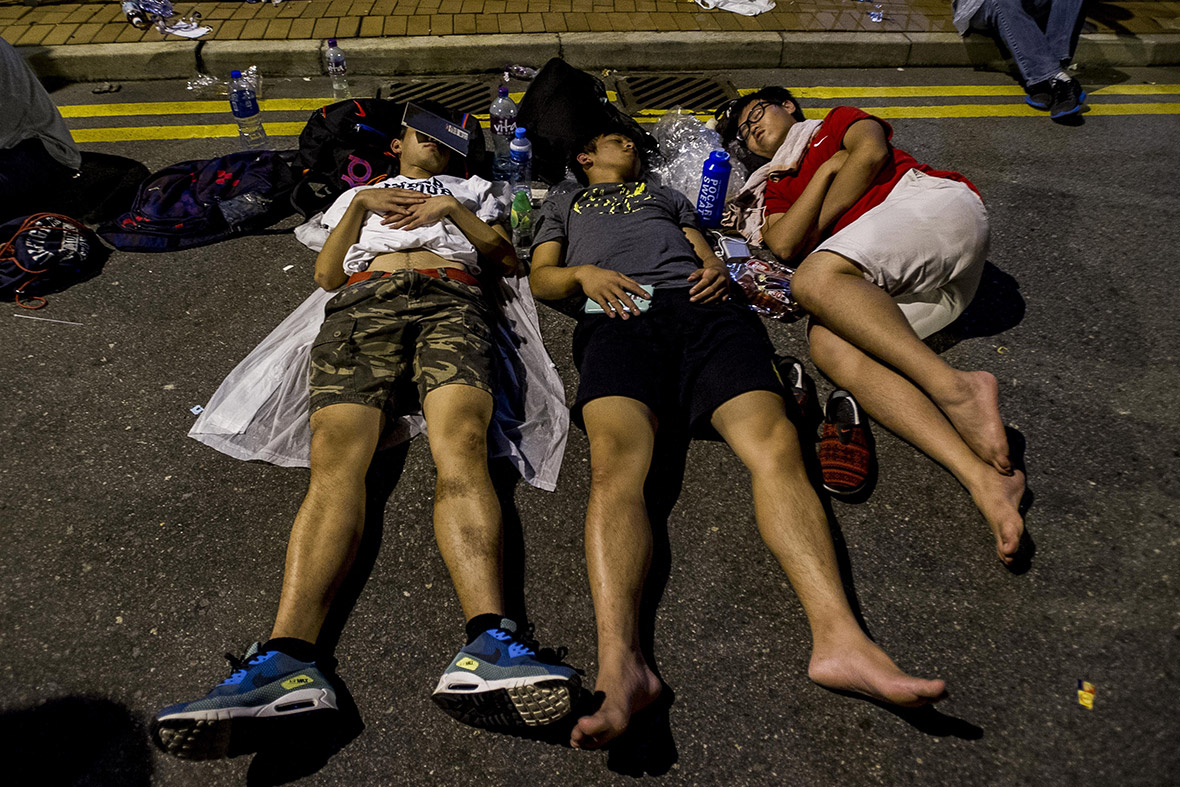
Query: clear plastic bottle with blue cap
244	105
521	151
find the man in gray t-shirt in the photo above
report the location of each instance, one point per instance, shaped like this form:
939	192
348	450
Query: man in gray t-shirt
635	229
697	361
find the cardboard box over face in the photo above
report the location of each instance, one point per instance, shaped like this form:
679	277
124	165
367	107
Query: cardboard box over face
439	128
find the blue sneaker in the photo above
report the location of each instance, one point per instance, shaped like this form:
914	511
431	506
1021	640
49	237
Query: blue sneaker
498	682
264	686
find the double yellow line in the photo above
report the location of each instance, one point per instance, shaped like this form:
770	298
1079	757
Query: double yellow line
1008	109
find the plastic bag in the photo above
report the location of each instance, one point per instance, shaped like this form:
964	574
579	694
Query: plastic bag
685	143
743	7
209	85
767	285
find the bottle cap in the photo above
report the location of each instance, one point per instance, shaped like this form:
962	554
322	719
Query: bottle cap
235	74
719	155
520	132
503	91
331	42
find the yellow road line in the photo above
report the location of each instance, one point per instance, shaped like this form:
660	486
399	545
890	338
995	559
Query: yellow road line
185	107
949	91
160	108
136	133
291	129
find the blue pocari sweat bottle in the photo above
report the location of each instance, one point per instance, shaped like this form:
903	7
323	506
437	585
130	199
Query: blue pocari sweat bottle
521	151
714	183
244	104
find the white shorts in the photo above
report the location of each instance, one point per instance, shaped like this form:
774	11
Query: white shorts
925	245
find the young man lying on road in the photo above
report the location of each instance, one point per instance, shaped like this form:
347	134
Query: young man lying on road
693	359
891	251
407	330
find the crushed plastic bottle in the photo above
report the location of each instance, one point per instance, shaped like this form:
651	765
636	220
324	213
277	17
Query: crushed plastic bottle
524	73
685	144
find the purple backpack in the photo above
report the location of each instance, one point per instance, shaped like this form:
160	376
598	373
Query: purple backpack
195	203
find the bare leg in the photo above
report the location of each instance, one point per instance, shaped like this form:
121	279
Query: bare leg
618	554
792	523
328	527
835	291
467	519
907	412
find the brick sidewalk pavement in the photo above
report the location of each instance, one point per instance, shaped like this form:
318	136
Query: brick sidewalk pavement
101	21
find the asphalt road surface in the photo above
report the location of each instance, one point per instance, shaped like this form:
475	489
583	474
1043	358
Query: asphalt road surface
133	556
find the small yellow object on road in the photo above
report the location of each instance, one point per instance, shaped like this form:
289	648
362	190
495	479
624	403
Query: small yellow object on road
1086	693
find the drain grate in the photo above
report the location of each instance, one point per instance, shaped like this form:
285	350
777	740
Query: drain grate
665	92
462	96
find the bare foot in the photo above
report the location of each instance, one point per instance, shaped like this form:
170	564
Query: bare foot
862	667
998	499
975	413
628	688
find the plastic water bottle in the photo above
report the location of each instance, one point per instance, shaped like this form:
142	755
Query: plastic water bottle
135	15
522	223
714	183
503	114
337	68
521	151
244	104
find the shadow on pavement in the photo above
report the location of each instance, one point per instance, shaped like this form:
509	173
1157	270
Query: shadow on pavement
75	740
105	188
1028	548
997	307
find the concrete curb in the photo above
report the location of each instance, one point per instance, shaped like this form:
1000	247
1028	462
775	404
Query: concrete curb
678	51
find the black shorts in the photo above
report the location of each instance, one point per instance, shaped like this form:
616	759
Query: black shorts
681	359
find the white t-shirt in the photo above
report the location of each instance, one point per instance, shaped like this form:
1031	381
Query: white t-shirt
442	237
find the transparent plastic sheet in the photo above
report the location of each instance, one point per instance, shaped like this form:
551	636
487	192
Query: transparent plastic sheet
767	285
685	143
523	73
209	85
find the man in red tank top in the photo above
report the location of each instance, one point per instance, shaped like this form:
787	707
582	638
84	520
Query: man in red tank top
888	252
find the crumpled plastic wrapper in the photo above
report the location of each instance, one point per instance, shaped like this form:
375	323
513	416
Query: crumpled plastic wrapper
767	286
240	209
209	85
685	143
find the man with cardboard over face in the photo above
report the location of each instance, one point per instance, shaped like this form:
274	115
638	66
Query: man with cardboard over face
408	329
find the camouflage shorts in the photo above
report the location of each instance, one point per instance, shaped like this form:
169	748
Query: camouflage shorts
388	342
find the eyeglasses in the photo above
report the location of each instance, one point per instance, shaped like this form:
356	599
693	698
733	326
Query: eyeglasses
756	113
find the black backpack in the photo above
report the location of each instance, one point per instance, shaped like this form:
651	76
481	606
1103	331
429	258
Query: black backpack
43	253
195	203
346	144
562	103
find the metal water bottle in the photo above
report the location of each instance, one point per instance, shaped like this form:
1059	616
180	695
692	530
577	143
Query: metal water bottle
714	183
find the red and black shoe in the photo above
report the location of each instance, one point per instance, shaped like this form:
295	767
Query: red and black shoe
845	446
800	386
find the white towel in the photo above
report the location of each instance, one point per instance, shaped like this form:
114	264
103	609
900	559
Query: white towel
745	211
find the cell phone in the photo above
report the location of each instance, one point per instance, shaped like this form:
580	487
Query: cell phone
644	304
733	248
